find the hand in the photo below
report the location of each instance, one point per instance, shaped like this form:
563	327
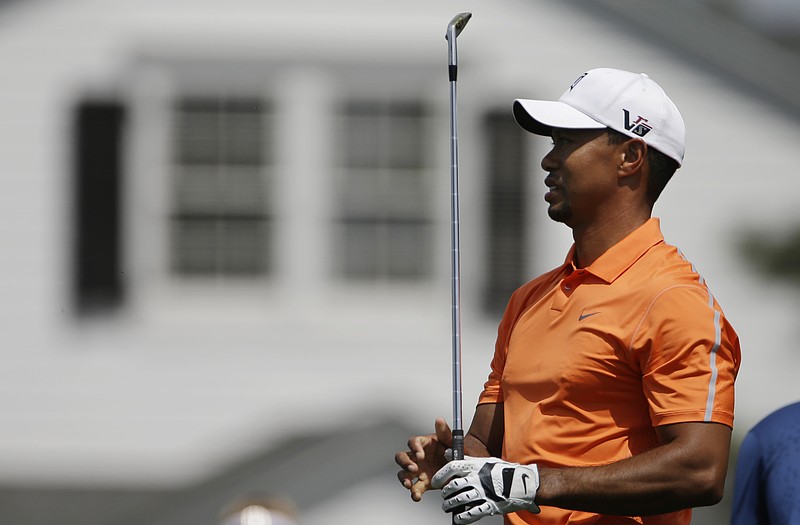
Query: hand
480	487
425	455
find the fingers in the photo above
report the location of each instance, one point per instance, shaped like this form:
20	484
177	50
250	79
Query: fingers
419	487
454	499
405	461
418	463
473	514
417	444
465	501
408	460
457	503
410	476
406	478
416	485
409	469
443	433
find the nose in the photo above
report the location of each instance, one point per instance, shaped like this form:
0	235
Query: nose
550	161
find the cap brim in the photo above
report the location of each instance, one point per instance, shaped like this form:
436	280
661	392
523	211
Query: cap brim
541	116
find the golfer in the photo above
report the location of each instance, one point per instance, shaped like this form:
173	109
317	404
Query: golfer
611	392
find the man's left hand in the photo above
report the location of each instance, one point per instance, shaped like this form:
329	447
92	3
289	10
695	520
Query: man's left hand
474	488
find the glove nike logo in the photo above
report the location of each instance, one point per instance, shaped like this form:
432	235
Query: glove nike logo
525	482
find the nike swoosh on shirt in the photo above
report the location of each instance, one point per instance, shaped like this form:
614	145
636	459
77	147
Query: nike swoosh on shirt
584	316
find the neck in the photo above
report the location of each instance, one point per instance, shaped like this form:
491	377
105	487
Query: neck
595	239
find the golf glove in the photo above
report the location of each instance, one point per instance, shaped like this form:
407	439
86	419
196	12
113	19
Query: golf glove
474	488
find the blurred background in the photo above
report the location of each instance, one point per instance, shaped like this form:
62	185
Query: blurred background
225	274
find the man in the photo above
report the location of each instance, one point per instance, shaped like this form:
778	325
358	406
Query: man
610	397
768	471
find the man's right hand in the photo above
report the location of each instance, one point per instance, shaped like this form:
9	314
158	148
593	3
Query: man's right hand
424	457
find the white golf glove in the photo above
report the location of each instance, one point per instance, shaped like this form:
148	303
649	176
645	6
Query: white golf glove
480	487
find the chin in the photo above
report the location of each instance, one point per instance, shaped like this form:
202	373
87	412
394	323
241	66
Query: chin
560	214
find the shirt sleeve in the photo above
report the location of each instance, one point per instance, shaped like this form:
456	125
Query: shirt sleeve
689	357
492	391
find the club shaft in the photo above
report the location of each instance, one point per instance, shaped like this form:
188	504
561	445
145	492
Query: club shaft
453	29
455	251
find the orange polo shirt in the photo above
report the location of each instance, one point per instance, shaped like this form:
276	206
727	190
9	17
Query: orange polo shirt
588	361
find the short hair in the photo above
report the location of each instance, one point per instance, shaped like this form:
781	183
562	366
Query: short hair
662	167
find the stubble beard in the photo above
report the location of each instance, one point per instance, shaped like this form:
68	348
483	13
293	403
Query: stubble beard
562	213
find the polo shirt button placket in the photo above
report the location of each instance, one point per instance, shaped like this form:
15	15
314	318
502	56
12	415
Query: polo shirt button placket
560	298
571	282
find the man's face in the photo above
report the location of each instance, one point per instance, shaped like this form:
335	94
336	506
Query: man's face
580	170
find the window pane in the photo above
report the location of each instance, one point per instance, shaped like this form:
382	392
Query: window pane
379	134
241	190
406	194
196	189
363	138
243	247
198	132
408	249
196	246
384	203
243	133
221	213
405	146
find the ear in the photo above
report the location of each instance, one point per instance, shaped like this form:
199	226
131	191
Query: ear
633	156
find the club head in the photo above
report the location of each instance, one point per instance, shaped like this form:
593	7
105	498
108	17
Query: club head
457	24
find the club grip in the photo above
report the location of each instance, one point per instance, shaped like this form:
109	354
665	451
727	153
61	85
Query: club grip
458	453
458	444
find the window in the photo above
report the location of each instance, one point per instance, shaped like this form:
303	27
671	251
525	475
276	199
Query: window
505	200
383	201
221	208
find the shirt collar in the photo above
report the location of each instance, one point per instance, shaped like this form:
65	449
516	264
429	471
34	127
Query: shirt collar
622	255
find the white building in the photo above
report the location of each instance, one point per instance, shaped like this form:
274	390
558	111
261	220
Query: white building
226	261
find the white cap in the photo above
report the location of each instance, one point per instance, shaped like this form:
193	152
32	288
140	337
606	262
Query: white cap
631	103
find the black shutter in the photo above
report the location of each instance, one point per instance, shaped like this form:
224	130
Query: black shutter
97	166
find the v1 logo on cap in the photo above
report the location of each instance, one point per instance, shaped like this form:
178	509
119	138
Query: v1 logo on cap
638	126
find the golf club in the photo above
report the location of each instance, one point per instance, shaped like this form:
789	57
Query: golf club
454	28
